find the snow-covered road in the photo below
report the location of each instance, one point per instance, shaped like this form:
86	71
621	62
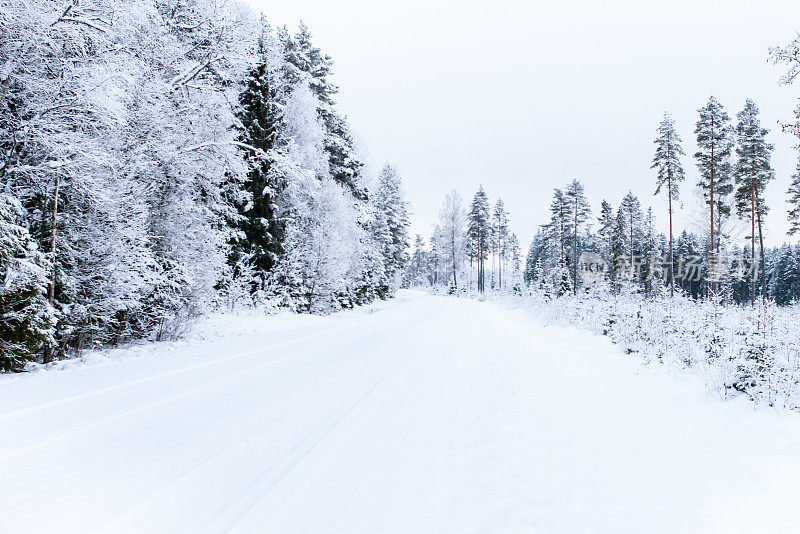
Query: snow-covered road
431	414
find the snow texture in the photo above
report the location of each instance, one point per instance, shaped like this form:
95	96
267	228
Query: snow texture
425	414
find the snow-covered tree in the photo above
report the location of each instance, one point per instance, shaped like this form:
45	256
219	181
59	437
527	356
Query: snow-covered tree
628	235
478	232
793	214
453	225
579	214
259	232
499	239
669	176
714	141
26	318
607	220
323	235
753	170
417	268
389	201
304	59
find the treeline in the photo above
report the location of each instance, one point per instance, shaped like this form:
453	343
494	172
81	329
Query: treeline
464	243
728	261
162	157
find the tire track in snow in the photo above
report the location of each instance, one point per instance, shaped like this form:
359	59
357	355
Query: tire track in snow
182	370
263	482
227	378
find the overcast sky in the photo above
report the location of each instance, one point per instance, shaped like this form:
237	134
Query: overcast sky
524	96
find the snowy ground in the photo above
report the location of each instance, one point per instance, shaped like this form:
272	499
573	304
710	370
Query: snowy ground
429	414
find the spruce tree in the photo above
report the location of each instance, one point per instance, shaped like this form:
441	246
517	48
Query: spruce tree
650	252
714	143
670	174
26	317
391	205
752	171
302	56
261	230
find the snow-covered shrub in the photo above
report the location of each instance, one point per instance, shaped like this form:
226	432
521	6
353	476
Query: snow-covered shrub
751	350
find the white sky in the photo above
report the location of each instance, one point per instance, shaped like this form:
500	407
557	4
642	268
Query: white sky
524	96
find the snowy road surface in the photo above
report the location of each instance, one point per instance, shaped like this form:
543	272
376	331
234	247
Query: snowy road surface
431	414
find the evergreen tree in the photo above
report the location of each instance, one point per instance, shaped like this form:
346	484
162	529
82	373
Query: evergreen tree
559	228
691	272
302	56
26	318
670	174
628	232
478	231
515	255
259	241
714	143
579	213
390	203
538	255
417	266
794	202
650	253
752	171
500	237
789	55
605	233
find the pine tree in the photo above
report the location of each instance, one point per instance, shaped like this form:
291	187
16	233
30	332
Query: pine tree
752	172
789	55
478	231
579	213
628	231
559	228
515	255
607	221
714	143
670	175
500	236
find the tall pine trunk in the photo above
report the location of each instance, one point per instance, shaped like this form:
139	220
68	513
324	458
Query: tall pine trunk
575	252
761	254
753	240
669	210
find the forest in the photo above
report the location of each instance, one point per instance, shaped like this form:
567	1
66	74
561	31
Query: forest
717	302
162	158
